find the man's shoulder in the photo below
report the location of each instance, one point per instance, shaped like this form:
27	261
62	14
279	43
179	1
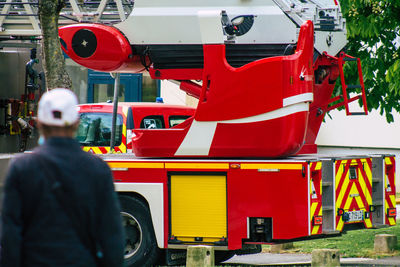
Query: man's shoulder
75	156
21	166
96	163
22	159
92	157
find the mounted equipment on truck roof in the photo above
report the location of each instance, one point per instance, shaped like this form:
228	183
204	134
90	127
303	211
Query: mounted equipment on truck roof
267	70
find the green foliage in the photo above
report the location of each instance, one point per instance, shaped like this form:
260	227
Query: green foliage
357	243
373	33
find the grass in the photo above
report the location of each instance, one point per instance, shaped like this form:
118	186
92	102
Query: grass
358	243
353	244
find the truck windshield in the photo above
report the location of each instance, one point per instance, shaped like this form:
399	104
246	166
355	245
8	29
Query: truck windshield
95	129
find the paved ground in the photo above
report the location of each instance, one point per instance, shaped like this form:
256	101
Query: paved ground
269	259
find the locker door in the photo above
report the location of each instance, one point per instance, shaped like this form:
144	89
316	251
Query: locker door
198	208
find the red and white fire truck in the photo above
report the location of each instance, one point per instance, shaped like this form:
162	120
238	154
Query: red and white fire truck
242	168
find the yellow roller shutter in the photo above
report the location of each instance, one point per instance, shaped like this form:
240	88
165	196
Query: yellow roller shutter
198	208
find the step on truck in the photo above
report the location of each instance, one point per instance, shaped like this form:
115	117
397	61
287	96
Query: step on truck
243	169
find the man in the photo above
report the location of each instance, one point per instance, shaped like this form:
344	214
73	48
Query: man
37	230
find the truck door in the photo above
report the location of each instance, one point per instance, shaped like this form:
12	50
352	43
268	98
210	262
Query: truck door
353	193
198	208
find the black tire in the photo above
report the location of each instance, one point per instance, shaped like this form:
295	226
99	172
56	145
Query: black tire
249	249
222	255
141	245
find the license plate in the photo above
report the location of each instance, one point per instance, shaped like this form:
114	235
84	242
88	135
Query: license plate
357	215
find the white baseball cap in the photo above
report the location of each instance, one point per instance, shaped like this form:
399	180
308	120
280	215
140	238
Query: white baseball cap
58	107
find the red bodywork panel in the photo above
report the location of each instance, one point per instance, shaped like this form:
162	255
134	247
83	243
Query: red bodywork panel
390	190
107	51
264	195
244	109
258	87
176	74
229	140
282	195
286	138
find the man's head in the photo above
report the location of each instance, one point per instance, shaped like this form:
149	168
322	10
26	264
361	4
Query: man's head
58	114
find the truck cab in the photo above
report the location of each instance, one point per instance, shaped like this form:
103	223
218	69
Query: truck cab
94	132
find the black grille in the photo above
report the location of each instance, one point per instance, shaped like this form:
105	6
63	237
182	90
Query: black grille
191	56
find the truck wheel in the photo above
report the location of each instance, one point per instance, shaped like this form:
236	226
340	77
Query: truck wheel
221	256
141	245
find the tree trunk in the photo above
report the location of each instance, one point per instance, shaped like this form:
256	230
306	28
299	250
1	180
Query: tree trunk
53	59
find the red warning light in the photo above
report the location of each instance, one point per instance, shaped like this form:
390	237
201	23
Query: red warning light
317	220
340	212
391	212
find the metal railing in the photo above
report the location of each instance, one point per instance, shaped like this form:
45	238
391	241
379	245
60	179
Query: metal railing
19	18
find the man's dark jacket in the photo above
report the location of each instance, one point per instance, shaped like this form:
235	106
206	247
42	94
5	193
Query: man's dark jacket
36	231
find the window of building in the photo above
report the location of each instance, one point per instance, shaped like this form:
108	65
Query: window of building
149	89
104	92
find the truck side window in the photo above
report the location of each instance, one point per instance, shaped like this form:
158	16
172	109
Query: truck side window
95	129
176	119
152	122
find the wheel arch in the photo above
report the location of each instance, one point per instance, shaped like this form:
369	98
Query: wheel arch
152	195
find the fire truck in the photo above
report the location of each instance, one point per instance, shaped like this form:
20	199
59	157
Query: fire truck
243	169
94	132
